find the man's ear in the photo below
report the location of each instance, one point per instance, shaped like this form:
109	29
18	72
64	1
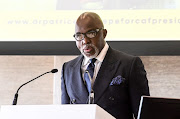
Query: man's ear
104	33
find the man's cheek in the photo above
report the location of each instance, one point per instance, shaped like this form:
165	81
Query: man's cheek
78	45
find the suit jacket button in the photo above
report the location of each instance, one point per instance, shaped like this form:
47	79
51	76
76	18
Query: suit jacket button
73	101
111	98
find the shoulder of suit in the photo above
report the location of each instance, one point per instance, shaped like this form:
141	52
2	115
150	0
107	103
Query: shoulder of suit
121	54
75	60
123	57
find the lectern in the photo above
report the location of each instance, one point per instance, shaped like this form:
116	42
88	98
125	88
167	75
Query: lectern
81	111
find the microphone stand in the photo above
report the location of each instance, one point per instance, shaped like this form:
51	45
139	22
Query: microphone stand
16	95
91	94
91	97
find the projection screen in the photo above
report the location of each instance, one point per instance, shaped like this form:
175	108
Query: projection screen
125	20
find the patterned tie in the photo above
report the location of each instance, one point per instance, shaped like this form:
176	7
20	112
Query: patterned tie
90	69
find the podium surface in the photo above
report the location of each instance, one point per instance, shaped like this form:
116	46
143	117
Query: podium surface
81	111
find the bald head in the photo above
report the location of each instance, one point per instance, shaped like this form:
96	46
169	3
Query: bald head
90	19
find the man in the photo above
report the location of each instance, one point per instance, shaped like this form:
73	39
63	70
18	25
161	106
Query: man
119	80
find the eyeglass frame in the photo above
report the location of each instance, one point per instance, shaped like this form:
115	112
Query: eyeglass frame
84	34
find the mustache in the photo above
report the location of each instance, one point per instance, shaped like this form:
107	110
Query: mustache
87	45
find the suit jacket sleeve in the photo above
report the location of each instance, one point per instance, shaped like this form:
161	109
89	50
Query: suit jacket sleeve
138	84
64	96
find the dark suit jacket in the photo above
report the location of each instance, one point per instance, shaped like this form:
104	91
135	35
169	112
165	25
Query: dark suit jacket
121	100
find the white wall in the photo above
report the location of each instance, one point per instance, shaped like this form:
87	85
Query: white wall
16	70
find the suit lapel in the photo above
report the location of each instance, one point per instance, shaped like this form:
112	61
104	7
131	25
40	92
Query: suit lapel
105	74
78	86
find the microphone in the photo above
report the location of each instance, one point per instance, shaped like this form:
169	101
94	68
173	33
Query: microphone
91	94
16	95
54	70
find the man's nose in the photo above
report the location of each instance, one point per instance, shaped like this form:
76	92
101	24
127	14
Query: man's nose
86	40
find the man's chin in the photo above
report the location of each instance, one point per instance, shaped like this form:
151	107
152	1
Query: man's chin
89	55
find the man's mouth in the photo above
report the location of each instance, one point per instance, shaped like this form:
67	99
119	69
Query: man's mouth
87	49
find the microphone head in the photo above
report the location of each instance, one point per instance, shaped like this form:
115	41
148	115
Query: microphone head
54	70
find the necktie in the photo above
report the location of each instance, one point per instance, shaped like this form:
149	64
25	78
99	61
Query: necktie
90	69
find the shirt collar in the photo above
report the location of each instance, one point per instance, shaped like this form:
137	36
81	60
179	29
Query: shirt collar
100	57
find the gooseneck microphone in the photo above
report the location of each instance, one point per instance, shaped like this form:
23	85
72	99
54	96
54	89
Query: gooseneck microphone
16	95
91	94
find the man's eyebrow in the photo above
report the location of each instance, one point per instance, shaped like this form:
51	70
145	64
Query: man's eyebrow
91	30
86	32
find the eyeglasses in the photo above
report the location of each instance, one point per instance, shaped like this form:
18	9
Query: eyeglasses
90	34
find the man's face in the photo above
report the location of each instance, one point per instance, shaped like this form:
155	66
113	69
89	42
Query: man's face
90	47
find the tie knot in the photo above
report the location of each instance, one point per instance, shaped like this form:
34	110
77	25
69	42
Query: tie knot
93	60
